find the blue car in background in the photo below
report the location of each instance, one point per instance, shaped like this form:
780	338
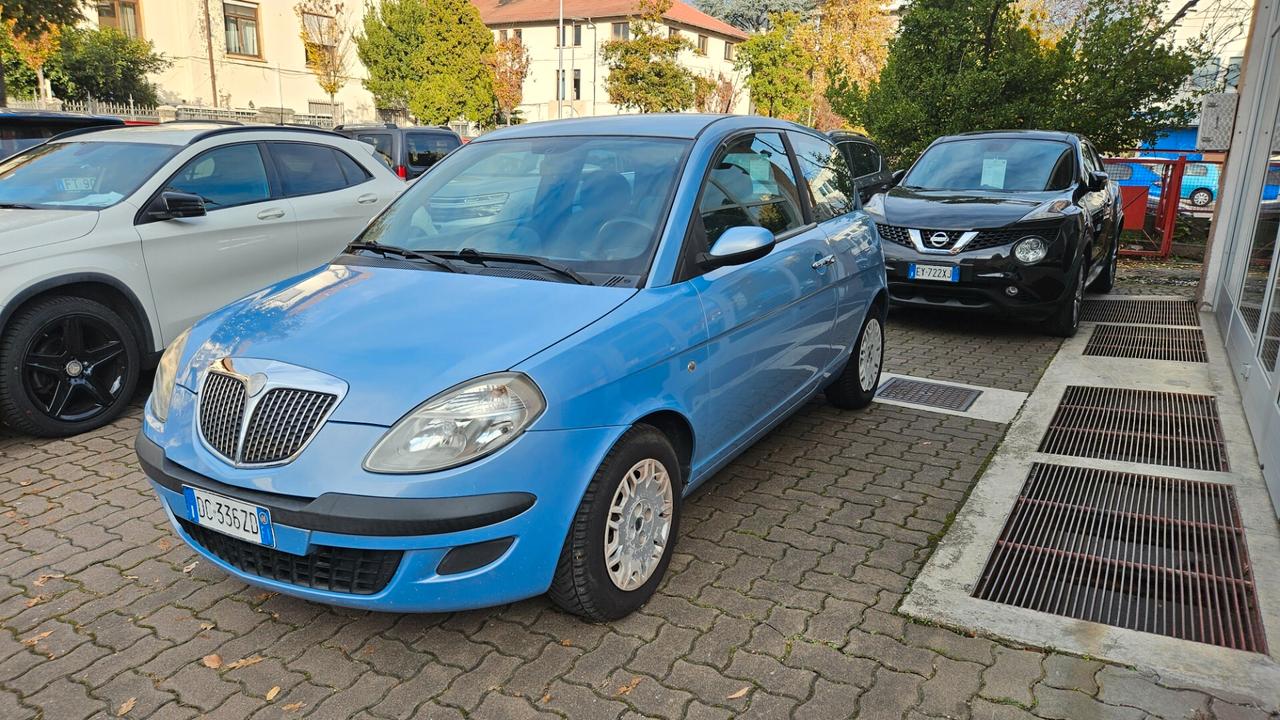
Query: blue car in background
509	382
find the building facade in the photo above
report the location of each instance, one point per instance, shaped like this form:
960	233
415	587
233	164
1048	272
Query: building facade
1241	282
240	55
567	79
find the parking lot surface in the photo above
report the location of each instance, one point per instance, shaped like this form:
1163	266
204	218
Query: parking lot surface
780	601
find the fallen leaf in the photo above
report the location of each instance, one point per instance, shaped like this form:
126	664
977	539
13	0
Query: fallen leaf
292	707
740	694
245	662
213	662
130	577
263	597
546	698
40	581
31	641
24	483
626	689
367	651
126	706
207	626
273	692
36	600
191	567
567	643
164	543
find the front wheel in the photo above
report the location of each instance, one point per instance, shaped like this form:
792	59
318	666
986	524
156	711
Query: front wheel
1066	319
1201	197
856	385
622	536
1106	280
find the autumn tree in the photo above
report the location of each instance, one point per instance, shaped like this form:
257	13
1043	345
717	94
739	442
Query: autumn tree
35	49
779	65
510	66
31	18
327	43
645	73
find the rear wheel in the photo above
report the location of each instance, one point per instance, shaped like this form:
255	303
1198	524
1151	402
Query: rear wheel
1201	197
67	365
856	385
1066	319
622	536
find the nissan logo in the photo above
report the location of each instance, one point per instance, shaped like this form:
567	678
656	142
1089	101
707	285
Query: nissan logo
939	239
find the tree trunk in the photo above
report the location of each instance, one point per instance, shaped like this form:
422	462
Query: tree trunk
40	94
4	89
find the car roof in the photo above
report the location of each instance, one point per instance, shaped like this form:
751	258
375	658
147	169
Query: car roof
1013	134
184	132
668	125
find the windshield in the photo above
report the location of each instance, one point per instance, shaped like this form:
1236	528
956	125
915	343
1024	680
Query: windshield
592	204
79	175
1001	164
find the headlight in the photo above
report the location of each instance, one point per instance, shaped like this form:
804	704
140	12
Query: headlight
460	425
875	206
1052	210
1030	250
166	376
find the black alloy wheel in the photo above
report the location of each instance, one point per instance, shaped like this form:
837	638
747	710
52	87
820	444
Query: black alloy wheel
69	365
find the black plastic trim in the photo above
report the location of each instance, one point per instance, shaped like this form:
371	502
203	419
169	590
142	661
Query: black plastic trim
466	558
343	513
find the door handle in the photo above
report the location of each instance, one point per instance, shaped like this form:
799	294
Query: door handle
823	262
367	199
271	214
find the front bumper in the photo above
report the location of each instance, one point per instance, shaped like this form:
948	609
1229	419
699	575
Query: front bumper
985	278
502	520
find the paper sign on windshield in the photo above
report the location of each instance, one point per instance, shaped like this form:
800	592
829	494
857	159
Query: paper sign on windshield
993	172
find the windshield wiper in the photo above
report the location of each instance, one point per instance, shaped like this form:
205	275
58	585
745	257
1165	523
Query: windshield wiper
16	206
473	255
403	252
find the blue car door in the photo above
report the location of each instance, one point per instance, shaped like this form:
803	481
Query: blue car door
856	263
770	320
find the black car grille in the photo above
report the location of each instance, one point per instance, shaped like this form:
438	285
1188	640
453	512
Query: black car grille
984	240
282	422
335	569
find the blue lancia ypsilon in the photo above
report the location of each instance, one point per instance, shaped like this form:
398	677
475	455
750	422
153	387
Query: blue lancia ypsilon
507	384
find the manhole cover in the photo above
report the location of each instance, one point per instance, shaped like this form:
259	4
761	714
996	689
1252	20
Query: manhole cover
1142	312
1145	426
929	394
1141	552
1148	343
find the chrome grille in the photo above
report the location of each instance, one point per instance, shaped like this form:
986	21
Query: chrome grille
282	423
985	238
222	405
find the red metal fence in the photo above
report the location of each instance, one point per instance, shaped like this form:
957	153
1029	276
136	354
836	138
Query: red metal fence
1166	201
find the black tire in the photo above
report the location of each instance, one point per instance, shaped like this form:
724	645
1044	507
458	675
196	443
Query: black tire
582	584
1201	197
851	390
1066	319
1106	280
30	388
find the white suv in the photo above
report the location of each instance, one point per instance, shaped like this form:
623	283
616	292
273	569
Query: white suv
112	242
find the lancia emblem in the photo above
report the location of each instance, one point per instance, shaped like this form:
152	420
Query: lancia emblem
939	239
256	382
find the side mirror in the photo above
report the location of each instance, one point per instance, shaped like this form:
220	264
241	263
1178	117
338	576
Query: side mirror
897	176
172	205
739	245
1097	181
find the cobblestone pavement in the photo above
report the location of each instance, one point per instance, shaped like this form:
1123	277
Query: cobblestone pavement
780	601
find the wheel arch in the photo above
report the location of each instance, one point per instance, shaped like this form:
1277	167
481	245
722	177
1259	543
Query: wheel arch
92	286
678	431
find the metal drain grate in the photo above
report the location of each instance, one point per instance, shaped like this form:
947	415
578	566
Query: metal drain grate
1142	312
1161	428
1148	343
929	394
1141	552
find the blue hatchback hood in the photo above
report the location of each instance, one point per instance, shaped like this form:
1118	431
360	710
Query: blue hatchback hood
398	336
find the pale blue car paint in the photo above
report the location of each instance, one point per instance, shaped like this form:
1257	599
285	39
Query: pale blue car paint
727	356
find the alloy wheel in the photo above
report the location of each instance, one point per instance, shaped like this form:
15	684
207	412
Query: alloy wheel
75	368
639	524
870	355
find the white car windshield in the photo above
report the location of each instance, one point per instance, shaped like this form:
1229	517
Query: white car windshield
592	204
79	175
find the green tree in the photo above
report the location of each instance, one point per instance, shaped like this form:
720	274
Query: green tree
752	15
430	57
105	64
780	68
31	18
645	73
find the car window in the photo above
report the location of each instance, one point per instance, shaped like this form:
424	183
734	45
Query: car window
827	175
80	175
381	143
750	184
863	159
1197	169
225	176
307	169
426	149
1118	170
995	164
352	170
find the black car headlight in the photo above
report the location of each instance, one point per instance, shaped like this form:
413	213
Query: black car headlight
1031	250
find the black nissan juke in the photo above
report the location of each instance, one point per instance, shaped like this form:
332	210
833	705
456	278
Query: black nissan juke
1011	222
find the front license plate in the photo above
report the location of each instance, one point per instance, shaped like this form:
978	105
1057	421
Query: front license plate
944	273
232	517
